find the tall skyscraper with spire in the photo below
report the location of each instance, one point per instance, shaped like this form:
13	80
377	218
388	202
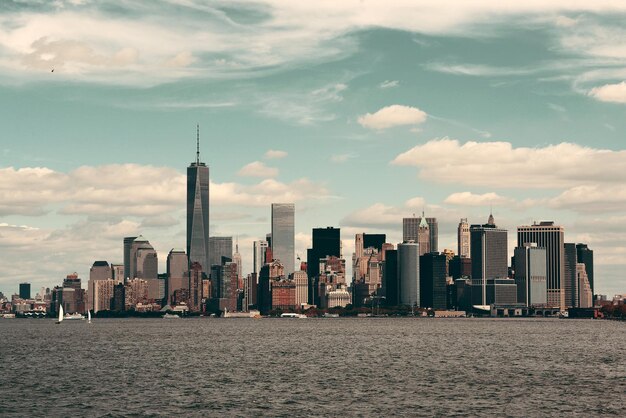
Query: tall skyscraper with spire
198	210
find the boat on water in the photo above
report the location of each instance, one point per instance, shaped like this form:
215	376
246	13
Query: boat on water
330	315
8	316
293	315
171	316
73	316
89	316
251	314
61	316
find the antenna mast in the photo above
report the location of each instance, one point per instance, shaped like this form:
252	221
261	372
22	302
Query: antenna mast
198	144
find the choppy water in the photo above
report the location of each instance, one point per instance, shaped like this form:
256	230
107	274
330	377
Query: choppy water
313	367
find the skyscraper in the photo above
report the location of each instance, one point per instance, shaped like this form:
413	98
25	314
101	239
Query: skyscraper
24	290
551	237
100	270
128	243
259	248
463	238
530	275
219	247
408	273
198	211
585	255
144	265
177	272
414	229
489	256
432	267
326	243
570	275
283	235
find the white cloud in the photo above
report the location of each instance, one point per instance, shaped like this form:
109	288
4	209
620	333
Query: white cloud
614	93
391	116
389	84
341	158
501	165
472	199
596	198
257	169
275	154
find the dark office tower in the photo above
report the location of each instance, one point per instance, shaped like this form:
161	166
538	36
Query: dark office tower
585	255
198	211
390	277
571	279
433	281
118	303
220	247
460	266
374	241
489	254
128	243
283	235
326	242
549	236
24	290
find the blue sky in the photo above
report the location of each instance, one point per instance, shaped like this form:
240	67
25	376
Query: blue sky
359	112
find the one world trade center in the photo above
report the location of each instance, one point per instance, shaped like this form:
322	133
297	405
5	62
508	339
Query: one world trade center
198	211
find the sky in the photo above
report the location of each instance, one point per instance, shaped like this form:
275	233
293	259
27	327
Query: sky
359	112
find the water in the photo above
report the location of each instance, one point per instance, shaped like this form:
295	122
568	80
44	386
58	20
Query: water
313	367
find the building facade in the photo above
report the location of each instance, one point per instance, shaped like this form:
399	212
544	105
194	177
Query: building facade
408	274
531	275
283	235
551	237
463	239
198	245
489	255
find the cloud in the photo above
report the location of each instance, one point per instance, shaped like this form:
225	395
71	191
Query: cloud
275	154
392	116
258	169
471	199
612	93
389	84
501	165
341	158
596	198
477	70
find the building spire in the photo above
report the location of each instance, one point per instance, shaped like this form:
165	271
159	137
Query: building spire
198	144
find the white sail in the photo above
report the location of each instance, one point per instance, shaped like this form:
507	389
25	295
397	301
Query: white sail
61	313
89	316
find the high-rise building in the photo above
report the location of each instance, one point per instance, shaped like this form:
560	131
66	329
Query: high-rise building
422	230
531	275
144	265
432	289
585	296
585	255
198	246
119	298
463	238
237	260
220	247
24	290
326	243
117	272
390	277
128	243
489	254
570	275
259	249
459	267
408	274
301	281
103	293
100	270
551	237
283	235
177	272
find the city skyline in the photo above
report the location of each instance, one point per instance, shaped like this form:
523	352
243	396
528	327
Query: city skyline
391	118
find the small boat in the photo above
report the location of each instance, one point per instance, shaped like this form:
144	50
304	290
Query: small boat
292	315
170	316
89	317
74	316
61	316
330	315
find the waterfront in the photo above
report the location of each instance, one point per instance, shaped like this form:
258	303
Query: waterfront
291	367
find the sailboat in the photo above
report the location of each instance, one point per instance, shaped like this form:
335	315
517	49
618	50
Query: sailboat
61	316
89	317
